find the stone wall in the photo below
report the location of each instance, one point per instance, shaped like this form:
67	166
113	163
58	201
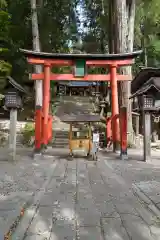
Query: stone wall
5	124
4	132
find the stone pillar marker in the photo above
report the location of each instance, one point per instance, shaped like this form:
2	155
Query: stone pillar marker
147	136
13	102
12	134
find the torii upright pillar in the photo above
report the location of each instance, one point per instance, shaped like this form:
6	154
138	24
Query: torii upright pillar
114	106
46	103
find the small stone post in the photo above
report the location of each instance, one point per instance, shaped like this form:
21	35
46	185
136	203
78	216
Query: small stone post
12	134
137	125
147	136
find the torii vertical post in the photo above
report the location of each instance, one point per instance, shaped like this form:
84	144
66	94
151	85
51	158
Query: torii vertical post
114	105
46	100
38	128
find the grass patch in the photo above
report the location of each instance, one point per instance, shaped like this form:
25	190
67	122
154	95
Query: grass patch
28	133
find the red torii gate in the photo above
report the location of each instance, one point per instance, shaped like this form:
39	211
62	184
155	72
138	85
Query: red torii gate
43	120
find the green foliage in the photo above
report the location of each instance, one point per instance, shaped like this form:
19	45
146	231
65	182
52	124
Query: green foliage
147	31
3	3
95	39
57	26
5	67
28	133
4	23
61	26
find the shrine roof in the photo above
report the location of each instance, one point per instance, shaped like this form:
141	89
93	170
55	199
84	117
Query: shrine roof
149	88
73	56
16	85
144	78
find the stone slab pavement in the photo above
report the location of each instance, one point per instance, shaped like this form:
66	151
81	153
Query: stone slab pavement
151	189
82	199
19	181
77	199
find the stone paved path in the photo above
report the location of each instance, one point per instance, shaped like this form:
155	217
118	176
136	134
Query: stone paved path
19	182
90	201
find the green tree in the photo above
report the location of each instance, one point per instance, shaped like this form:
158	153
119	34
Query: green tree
60	25
95	23
5	67
57	25
147	31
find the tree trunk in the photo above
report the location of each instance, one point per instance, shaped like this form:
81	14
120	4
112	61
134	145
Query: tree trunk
111	28
36	47
120	25
125	15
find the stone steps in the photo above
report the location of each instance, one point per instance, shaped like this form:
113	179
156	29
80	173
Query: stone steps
58	145
68	105
60	139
